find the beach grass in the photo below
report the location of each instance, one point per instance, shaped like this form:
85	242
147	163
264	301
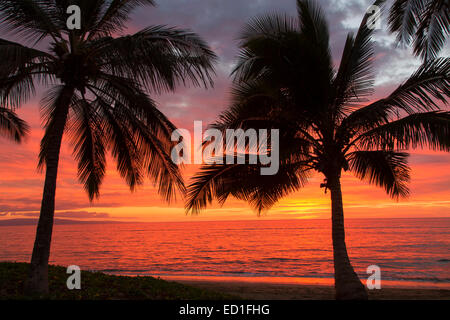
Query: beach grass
99	286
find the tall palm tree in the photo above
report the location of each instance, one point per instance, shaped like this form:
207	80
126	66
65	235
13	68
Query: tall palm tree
98	83
285	79
11	126
424	23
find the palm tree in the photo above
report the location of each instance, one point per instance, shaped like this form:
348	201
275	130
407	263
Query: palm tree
97	94
11	126
285	79
424	23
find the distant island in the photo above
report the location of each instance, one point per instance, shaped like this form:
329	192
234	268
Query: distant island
32	222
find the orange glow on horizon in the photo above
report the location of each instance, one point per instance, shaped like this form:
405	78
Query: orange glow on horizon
21	191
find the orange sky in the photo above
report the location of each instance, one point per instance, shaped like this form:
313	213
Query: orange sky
219	22
21	188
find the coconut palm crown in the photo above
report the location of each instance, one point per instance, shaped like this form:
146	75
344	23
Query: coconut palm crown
285	79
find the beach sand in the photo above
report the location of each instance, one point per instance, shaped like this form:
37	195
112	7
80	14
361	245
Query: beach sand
267	291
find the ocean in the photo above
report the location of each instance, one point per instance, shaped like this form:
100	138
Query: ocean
409	252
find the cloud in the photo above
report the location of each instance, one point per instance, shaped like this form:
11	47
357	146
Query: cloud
66	214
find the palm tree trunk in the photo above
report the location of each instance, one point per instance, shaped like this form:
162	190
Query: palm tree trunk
347	284
38	278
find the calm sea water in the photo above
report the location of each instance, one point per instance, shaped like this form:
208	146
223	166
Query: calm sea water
408	251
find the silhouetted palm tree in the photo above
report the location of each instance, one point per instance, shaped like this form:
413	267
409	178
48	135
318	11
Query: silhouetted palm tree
424	23
97	94
11	126
285	79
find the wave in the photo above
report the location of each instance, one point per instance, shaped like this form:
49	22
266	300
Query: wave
284	259
420	279
260	273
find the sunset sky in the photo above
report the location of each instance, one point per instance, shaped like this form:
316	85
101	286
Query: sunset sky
219	23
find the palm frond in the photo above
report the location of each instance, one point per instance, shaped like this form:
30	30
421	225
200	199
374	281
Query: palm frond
433	29
261	41
313	23
125	91
29	19
113	15
421	92
160	167
276	51
14	56
11	126
425	23
54	108
314	35
267	26
257	106
419	130
243	182
404	18
21	68
89	146
123	145
159	57
384	168
253	105
149	130
354	79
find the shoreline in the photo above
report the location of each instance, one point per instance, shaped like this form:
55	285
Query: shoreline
293	281
289	288
277	291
